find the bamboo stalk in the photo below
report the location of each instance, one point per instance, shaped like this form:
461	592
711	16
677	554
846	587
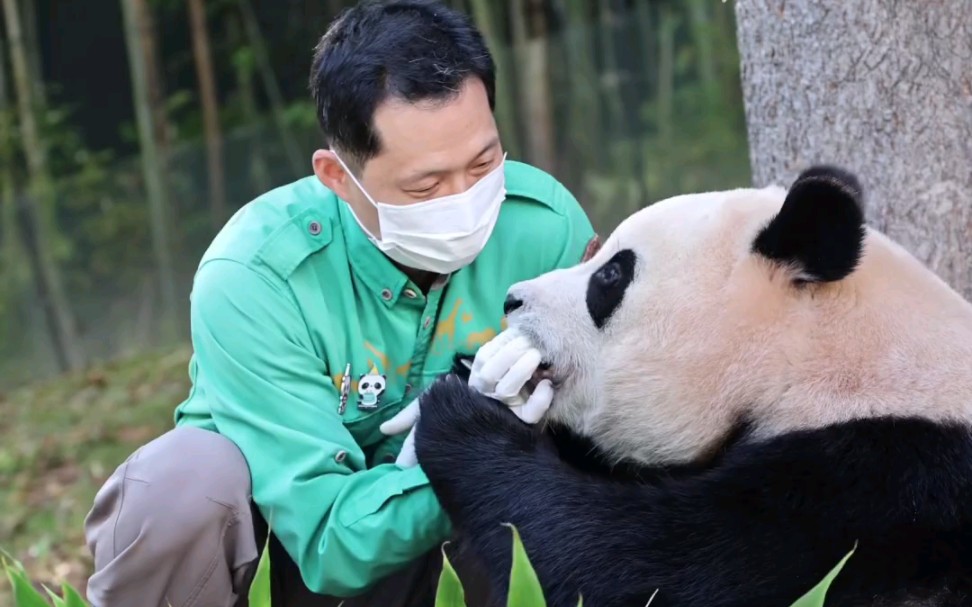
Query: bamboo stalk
38	206
151	173
255	38
506	115
210	109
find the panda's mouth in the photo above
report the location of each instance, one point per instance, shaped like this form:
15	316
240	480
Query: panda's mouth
544	371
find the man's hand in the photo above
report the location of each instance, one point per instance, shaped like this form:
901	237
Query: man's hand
500	370
404	420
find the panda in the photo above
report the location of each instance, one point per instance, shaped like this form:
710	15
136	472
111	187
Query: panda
782	383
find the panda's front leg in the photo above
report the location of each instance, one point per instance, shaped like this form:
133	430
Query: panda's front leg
462	437
489	470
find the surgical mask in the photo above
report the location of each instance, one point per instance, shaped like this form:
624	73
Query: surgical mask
442	234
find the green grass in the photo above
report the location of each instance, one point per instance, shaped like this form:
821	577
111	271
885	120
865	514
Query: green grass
61	440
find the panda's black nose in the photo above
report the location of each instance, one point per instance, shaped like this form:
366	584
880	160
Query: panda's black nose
511	304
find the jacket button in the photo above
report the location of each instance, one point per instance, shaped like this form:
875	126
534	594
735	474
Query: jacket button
409	293
386	294
340	456
314	228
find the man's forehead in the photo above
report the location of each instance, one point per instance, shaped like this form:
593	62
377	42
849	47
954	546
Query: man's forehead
446	127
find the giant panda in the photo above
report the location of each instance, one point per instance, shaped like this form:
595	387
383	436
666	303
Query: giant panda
789	385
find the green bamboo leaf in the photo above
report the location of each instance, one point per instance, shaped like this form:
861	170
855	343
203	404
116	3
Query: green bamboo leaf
71	597
816	595
25	595
525	590
450	592
58	601
259	594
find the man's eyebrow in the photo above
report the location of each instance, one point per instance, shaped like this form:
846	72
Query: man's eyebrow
488	145
423	174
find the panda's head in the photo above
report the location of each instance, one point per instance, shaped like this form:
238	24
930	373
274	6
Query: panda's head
778	308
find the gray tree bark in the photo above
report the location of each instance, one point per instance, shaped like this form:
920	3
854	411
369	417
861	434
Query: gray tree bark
881	87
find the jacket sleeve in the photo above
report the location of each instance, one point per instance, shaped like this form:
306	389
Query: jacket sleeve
344	525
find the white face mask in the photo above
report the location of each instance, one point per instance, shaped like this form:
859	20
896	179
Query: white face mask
443	234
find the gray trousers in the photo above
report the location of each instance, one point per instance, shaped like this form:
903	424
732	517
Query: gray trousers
175	525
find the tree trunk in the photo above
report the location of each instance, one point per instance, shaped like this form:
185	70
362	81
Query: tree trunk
152	172
153	77
702	39
584	106
530	42
257	44
158	106
28	13
47	274
210	108
484	15
259	172
665	105
881	87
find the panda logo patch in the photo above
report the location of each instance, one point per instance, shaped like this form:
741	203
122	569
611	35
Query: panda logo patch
370	388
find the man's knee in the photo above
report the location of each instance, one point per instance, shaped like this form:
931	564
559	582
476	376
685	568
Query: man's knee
182	499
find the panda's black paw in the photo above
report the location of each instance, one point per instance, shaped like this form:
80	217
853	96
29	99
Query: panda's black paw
459	424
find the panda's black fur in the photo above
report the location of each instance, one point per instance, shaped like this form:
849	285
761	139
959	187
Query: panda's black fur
825	239
716	536
575	449
757	522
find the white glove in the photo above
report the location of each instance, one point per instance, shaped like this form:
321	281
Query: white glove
404	420
502	368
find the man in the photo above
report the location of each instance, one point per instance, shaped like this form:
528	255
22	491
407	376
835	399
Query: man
318	313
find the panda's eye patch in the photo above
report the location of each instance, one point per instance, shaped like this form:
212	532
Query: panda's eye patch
364	386
607	286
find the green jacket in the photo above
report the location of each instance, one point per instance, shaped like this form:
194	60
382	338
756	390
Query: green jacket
290	292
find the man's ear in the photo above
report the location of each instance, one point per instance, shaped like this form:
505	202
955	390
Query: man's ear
331	173
593	246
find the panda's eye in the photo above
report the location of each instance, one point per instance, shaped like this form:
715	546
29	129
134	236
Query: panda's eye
608	275
364	386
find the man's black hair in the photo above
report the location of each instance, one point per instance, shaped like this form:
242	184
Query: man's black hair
415	50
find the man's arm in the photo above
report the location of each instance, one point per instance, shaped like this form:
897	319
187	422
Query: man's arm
344	525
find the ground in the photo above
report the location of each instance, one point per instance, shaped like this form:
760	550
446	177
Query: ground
60	440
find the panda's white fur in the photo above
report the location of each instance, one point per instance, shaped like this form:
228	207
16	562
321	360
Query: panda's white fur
708	330
773	384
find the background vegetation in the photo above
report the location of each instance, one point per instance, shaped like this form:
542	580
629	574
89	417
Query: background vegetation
130	130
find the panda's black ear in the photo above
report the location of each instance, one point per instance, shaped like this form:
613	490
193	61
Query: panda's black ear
819	231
